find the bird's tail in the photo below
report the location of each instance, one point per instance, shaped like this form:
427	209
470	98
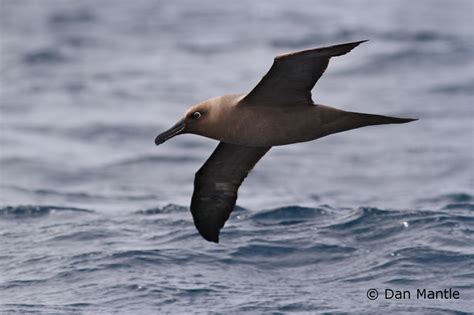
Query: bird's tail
362	119
339	120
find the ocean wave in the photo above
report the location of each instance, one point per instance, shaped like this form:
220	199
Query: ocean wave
79	15
450	198
21	283
206	49
36	211
164	210
365	217
111	133
454	88
81	196
87	235
45	56
424	255
418	36
152	159
317	240
280	254
460	206
77	41
288	215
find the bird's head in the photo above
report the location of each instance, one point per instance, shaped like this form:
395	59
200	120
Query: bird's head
195	120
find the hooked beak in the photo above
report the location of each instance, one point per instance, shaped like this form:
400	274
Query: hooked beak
170	133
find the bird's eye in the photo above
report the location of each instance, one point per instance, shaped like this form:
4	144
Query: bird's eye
196	115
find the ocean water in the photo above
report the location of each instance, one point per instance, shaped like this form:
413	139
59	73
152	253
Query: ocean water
94	218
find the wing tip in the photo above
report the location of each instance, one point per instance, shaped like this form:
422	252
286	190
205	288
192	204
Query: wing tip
210	236
360	42
331	51
407	120
207	226
342	49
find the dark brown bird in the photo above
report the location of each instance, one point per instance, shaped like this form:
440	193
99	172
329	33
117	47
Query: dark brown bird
278	111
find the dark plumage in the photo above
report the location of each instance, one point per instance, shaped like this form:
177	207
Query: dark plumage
278	111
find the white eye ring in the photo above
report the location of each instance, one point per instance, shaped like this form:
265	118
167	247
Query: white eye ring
196	115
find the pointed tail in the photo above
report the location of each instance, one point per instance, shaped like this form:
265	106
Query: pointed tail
371	119
342	120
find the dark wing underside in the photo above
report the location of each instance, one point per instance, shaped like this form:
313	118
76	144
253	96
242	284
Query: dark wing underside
216	184
292	77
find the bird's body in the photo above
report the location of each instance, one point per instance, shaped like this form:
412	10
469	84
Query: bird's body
278	111
234	122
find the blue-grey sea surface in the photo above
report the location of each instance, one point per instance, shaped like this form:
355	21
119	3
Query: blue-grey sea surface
94	218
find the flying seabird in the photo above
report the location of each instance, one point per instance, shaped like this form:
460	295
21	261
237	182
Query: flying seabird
278	111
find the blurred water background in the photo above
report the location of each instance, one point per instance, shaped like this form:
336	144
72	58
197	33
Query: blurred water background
94	218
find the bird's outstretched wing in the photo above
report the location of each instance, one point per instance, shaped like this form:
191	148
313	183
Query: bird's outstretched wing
216	184
292	76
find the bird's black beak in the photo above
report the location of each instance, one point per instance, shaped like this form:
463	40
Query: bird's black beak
170	133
